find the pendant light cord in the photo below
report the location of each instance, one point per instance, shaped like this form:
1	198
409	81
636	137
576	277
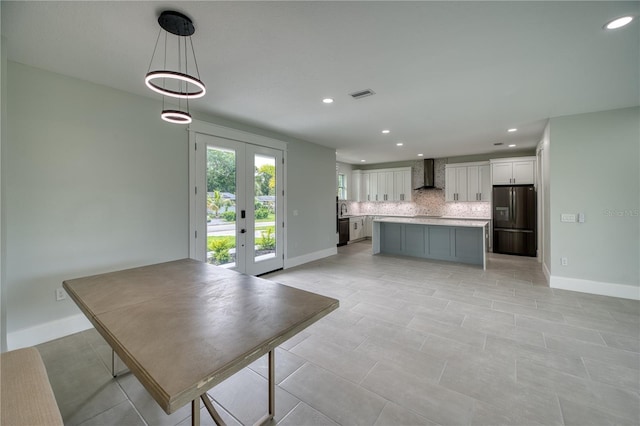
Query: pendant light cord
195	60
154	51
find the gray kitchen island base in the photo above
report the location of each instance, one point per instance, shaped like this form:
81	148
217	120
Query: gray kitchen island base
451	240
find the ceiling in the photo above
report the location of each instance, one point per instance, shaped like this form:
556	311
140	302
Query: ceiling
450	77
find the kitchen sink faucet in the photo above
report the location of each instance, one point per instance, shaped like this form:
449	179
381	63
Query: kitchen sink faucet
343	206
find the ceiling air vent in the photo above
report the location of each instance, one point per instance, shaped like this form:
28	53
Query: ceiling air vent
362	94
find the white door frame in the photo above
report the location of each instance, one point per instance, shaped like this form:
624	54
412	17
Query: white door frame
197	209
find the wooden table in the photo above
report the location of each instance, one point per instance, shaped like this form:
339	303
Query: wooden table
184	326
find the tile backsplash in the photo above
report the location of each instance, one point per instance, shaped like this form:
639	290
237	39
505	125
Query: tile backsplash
428	202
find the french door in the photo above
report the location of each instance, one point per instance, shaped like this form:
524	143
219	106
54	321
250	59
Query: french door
241	204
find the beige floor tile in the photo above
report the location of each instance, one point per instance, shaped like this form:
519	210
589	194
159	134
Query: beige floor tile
414	342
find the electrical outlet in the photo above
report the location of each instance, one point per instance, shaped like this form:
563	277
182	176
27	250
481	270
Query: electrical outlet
567	217
60	294
564	261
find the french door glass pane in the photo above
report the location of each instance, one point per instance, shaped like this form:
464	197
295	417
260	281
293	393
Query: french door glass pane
265	207
221	206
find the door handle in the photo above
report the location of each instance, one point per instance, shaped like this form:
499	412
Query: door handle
242	231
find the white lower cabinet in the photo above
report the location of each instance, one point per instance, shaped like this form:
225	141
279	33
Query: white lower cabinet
356	228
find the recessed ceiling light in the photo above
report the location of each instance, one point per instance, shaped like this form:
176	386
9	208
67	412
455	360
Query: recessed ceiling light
399	144
385	131
327	100
362	161
512	145
420	155
618	22
512	130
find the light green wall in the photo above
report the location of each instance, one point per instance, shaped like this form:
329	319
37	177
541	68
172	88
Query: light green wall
311	177
95	181
595	169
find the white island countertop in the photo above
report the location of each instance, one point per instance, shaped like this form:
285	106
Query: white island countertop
436	222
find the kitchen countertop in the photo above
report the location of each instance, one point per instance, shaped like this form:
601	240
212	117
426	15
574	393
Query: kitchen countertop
435	221
466	218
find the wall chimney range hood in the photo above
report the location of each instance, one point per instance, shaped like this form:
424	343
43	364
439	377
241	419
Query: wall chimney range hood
429	171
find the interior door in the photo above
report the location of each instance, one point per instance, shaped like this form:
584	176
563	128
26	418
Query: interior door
244	205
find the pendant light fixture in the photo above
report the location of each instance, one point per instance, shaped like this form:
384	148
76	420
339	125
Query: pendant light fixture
173	79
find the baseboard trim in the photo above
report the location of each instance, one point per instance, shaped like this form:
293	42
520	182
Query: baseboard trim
595	287
48	331
306	258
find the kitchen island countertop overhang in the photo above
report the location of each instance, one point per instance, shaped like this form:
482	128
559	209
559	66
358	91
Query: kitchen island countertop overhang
457	240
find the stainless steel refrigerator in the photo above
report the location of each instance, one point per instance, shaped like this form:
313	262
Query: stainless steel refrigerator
514	220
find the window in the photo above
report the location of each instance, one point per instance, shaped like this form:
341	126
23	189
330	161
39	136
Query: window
342	187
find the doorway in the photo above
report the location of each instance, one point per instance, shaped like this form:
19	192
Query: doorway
241	206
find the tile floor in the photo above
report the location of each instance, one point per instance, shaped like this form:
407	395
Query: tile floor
414	342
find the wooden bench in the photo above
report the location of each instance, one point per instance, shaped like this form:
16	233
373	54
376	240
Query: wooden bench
25	392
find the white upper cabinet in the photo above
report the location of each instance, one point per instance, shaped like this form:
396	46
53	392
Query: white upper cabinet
468	182
502	173
385	186
355	187
479	183
524	172
382	185
513	171
402	185
365	187
455	187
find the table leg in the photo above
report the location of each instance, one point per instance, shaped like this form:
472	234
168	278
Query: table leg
272	389
212	410
114	361
195	412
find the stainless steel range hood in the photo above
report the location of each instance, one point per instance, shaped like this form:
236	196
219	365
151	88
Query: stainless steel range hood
429	172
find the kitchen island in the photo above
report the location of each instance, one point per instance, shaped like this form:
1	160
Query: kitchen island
455	240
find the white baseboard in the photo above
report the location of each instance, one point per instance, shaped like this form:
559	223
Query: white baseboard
48	331
306	258
596	287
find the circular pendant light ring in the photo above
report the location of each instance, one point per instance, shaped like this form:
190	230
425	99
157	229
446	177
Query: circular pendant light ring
179	77
176	116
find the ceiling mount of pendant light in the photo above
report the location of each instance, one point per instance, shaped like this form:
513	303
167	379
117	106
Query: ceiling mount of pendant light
174	76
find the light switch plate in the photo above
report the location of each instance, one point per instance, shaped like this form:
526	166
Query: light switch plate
567	217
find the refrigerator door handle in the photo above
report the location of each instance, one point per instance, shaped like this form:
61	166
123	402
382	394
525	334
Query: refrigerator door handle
510	205
513	207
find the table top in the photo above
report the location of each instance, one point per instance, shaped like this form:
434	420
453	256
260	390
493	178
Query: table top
465	223
184	326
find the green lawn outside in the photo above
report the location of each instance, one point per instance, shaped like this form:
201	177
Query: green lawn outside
231	240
